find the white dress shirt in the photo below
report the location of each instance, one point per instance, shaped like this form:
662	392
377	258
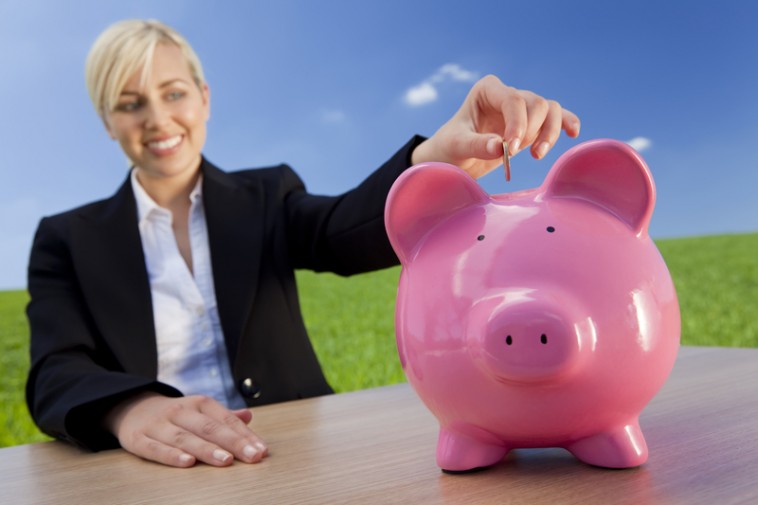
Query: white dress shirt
192	353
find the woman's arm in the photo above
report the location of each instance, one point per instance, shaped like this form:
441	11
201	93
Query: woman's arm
77	390
345	234
73	378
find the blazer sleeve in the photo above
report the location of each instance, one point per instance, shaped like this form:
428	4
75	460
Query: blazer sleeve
73	380
344	234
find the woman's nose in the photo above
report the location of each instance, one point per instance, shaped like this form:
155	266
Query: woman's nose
156	114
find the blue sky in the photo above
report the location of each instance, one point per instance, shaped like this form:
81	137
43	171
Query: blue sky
324	86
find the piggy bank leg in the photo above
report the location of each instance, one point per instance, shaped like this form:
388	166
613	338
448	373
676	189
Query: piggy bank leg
624	447
461	453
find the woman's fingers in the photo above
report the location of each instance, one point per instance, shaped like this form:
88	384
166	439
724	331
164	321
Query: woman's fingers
230	432
550	129
212	433
515	119
491	113
571	123
244	415
153	450
180	431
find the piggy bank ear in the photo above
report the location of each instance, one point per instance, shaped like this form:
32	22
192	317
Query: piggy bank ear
422	197
609	174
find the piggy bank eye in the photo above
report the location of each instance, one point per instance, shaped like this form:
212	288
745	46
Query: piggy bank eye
480	238
550	229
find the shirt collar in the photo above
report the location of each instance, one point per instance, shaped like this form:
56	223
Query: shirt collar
146	205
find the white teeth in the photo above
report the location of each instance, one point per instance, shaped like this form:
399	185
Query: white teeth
165	144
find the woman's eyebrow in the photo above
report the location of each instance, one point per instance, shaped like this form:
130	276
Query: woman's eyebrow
160	86
172	81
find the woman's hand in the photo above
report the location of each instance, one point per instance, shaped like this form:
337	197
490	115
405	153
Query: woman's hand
492	112
181	431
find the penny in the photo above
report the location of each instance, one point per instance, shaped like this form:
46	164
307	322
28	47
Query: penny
506	161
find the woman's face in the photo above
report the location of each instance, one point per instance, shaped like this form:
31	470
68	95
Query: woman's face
161	127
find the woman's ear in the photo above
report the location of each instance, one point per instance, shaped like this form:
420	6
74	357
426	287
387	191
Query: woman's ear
205	92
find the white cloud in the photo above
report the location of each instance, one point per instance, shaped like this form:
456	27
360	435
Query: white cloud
426	91
640	144
455	72
420	95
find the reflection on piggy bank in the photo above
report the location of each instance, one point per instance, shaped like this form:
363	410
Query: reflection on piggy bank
541	318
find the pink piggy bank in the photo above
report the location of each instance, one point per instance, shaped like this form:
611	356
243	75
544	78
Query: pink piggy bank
542	318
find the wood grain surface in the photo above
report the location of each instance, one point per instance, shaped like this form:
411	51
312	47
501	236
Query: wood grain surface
377	446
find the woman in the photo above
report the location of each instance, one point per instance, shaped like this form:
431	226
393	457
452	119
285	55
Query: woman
160	314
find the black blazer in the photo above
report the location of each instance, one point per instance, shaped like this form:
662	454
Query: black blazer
92	332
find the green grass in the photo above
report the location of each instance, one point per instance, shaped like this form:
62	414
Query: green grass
351	321
716	280
16	425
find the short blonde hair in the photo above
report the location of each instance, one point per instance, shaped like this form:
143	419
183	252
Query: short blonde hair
121	50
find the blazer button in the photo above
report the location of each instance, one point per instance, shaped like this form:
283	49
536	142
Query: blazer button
249	389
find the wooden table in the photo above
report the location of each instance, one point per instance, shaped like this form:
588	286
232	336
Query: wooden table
377	446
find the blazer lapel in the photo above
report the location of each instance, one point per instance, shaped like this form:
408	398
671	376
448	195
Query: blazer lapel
234	214
115	282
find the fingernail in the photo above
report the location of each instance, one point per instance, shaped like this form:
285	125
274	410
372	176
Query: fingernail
542	148
260	446
250	452
221	455
514	145
492	146
186	459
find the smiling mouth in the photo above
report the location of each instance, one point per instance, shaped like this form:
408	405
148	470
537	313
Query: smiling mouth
162	146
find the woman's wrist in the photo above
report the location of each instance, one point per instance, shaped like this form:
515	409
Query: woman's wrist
114	416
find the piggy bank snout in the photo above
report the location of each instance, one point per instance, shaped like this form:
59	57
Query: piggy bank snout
528	341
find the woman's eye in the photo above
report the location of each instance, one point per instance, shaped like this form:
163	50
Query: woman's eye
128	106
175	95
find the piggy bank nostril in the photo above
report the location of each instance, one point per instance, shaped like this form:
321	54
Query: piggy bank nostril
508	340
543	338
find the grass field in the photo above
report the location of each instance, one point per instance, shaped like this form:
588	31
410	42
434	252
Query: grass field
351	320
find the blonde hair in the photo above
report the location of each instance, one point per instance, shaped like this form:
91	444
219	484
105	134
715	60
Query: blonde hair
121	50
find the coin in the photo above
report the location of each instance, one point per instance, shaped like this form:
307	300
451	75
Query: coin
506	161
